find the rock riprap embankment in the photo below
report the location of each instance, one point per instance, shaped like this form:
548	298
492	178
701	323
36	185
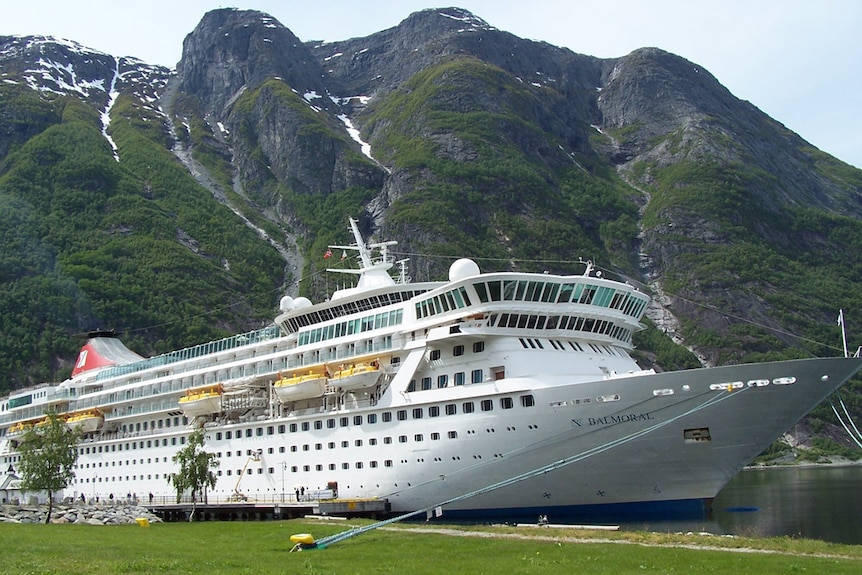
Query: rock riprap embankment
80	514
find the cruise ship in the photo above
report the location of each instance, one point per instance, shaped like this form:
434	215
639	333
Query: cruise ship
501	393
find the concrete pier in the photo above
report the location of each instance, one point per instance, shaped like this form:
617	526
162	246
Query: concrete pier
249	510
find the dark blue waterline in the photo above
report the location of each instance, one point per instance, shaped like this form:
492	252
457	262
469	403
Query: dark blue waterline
573	514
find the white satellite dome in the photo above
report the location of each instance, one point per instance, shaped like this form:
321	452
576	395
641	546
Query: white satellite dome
286	303
301	303
463	268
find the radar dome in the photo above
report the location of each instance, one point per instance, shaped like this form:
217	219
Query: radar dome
286	303
463	268
301	303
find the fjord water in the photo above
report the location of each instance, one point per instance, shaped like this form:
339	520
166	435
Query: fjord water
818	502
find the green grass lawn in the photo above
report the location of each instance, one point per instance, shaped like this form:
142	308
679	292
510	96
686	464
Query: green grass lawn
248	547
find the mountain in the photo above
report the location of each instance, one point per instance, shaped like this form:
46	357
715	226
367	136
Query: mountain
179	205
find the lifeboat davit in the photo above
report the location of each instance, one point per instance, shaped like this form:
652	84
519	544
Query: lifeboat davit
301	386
204	400
356	376
18	430
87	421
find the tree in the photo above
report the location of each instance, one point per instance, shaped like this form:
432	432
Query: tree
48	454
195	473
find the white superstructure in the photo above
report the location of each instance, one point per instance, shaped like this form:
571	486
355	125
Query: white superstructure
419	393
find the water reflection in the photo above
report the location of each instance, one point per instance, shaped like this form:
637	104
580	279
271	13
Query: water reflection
812	502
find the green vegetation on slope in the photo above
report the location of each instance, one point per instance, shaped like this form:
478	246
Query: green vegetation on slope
496	183
91	243
747	259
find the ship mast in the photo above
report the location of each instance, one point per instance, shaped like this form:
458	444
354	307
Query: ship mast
372	274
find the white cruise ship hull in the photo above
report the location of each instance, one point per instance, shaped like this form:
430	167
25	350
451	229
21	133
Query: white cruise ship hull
635	454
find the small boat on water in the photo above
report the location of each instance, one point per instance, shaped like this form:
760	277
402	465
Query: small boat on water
357	376
88	421
203	400
301	386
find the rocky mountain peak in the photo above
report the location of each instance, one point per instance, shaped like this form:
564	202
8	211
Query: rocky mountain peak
668	87
54	66
231	50
437	21
376	64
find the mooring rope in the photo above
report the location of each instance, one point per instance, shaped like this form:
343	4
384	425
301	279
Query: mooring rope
847	413
844	425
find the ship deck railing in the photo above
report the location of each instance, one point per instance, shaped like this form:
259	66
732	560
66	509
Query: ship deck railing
217	346
289	362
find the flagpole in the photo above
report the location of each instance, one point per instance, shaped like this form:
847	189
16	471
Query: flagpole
843	331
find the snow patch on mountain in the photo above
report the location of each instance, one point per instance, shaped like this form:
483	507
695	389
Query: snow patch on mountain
106	114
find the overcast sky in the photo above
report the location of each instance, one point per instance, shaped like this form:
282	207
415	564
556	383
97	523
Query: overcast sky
797	60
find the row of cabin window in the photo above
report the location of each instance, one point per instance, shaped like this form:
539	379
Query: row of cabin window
372	418
118	463
372	442
133	445
359	325
142	426
453	299
374	464
114	478
418	437
294	324
561	322
530	343
332	466
458	350
458	378
551	292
